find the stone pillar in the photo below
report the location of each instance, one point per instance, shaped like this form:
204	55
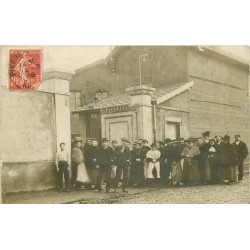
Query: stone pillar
141	97
56	81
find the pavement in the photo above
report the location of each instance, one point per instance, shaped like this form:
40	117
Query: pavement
205	194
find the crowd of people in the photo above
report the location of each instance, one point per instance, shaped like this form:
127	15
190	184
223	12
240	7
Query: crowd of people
195	161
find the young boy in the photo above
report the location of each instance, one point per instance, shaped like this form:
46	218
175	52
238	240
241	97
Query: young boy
62	166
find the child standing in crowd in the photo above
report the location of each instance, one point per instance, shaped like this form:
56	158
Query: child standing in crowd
62	166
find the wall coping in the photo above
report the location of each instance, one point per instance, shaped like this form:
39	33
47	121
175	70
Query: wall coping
57	73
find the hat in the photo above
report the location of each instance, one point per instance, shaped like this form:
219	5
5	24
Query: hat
161	142
105	140
144	141
191	139
124	139
236	136
136	143
226	137
206	133
174	141
114	141
153	145
167	140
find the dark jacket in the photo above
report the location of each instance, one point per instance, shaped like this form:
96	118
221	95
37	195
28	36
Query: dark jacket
87	149
105	157
93	155
228	155
122	156
135	157
144	151
241	150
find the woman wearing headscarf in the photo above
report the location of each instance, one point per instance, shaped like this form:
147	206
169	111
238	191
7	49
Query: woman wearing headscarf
190	174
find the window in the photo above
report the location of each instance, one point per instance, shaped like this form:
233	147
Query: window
75	100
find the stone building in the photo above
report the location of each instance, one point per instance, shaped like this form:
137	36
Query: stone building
184	91
32	124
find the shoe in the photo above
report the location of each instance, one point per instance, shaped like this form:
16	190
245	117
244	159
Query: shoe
124	191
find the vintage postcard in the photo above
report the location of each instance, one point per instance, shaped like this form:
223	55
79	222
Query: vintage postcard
124	124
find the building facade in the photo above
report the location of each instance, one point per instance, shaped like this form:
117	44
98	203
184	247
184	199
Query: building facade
214	93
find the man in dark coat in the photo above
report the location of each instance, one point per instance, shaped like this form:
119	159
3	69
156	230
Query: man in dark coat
87	150
122	161
165	162
217	164
136	165
105	161
242	153
228	161
93	169
203	163
144	150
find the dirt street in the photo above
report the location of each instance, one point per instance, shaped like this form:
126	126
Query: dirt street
209	194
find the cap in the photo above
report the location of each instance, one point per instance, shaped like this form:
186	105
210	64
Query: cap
153	145
136	143
206	133
124	139
144	141
167	140
236	136
161	142
174	141
226	137
105	140
114	141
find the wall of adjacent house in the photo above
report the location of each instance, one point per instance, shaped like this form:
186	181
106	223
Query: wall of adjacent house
164	65
176	109
28	141
218	99
32	124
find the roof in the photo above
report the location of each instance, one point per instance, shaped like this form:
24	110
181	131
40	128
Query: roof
160	95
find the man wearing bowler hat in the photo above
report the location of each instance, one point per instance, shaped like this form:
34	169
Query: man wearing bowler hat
242	153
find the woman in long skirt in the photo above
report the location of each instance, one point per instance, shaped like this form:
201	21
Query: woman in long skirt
190	173
176	169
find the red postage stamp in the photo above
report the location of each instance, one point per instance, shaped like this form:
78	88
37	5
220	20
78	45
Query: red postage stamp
24	69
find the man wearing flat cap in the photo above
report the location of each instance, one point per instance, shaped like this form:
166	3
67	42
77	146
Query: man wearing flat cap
122	161
105	161
242	153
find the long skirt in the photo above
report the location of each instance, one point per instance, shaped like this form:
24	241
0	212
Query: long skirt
190	170
228	172
82	174
176	171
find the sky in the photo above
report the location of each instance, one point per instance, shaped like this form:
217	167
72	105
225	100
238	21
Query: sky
72	57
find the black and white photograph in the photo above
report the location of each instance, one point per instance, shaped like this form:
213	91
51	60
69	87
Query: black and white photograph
124	125
137	124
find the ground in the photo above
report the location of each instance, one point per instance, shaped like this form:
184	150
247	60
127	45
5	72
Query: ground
207	194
